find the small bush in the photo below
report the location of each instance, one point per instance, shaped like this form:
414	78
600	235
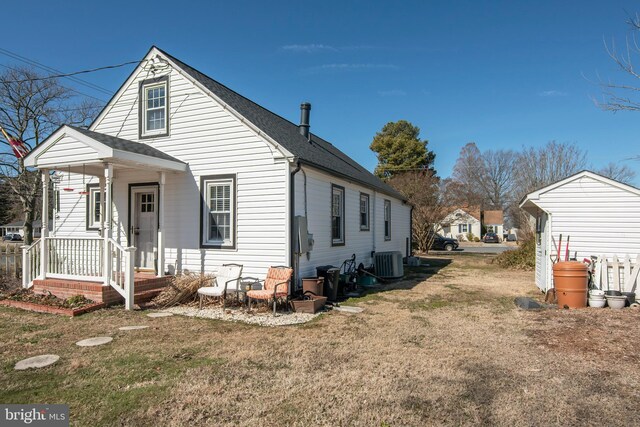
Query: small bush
470	236
476	239
523	258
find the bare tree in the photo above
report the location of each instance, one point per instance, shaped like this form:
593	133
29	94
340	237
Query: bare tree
465	188
539	167
618	172
31	107
422	190
624	94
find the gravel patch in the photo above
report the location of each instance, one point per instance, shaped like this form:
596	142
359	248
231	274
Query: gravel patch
160	314
240	315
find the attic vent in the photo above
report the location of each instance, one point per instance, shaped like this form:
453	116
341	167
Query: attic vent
305	111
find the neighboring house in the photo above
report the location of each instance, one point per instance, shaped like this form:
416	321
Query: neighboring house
459	223
493	222
599	214
194	175
17	227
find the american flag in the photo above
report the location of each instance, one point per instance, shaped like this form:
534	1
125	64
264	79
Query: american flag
18	146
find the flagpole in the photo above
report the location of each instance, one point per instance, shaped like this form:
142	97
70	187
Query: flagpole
6	135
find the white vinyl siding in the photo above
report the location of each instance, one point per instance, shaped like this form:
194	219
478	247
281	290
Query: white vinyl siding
211	141
602	219
318	211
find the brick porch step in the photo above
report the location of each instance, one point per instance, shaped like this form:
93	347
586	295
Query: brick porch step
145	288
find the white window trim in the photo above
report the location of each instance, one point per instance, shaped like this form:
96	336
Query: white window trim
91	207
367	226
336	189
145	86
207	182
387	217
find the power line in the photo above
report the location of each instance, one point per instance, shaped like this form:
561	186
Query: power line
55	76
53	70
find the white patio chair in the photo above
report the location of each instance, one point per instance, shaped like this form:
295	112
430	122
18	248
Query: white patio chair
227	281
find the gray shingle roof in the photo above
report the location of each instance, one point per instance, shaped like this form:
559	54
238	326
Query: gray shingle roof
317	152
125	145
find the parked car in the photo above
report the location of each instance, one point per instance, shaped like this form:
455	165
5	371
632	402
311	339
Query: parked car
491	238
444	243
17	237
512	238
7	236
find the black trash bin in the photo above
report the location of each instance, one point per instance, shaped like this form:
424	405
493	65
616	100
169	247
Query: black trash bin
331	276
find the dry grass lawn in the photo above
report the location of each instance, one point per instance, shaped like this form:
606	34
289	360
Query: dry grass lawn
445	346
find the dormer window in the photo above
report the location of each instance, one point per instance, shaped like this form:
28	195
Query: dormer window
154	108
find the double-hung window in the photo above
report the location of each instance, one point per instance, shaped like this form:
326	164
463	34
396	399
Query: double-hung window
94	206
154	108
387	220
218	222
463	228
364	212
337	215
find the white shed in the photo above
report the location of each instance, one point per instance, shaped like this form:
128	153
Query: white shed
601	216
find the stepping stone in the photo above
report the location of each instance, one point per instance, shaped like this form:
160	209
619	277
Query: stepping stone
349	309
133	328
160	314
90	342
37	362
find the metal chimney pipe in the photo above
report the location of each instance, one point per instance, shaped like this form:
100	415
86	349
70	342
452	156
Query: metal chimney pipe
305	110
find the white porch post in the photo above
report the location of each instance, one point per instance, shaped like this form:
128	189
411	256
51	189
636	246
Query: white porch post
102	186
106	233
161	225
44	231
129	281
26	267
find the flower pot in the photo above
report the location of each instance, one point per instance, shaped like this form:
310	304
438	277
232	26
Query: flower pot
593	293
613	293
597	303
311	305
312	286
631	297
616	301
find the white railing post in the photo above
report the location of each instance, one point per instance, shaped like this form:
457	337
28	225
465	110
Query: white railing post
44	230
26	267
128	277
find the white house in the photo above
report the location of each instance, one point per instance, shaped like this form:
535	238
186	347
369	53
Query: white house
459	223
601	216
17	227
193	175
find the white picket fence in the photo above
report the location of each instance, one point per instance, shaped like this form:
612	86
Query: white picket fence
615	274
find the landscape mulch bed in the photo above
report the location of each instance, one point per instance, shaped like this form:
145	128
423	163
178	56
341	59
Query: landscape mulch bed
27	300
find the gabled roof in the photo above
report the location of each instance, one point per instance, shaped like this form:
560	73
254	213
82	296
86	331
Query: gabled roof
317	152
469	210
493	217
100	148
125	145
529	200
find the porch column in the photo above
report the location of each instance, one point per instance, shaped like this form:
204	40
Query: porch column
102	185
106	234
161	225
44	231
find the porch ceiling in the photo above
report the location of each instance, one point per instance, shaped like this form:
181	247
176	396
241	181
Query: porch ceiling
84	151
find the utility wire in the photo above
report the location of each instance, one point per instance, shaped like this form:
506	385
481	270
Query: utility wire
55	76
53	70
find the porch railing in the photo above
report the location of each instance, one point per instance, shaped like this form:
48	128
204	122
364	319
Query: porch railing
120	274
30	263
81	258
75	258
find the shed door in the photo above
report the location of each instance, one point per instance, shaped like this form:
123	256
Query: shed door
542	258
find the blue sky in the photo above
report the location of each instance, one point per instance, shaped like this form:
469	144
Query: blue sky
504	74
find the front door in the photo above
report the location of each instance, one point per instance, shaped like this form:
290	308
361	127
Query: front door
144	226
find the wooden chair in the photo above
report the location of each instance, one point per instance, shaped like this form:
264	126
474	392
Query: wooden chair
227	280
274	286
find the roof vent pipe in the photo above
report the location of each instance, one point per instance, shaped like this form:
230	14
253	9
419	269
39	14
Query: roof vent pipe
305	109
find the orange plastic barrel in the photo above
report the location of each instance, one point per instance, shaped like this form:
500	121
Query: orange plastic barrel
571	280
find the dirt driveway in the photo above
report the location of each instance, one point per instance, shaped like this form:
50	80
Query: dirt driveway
445	346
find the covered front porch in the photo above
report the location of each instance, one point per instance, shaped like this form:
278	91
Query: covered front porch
107	264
